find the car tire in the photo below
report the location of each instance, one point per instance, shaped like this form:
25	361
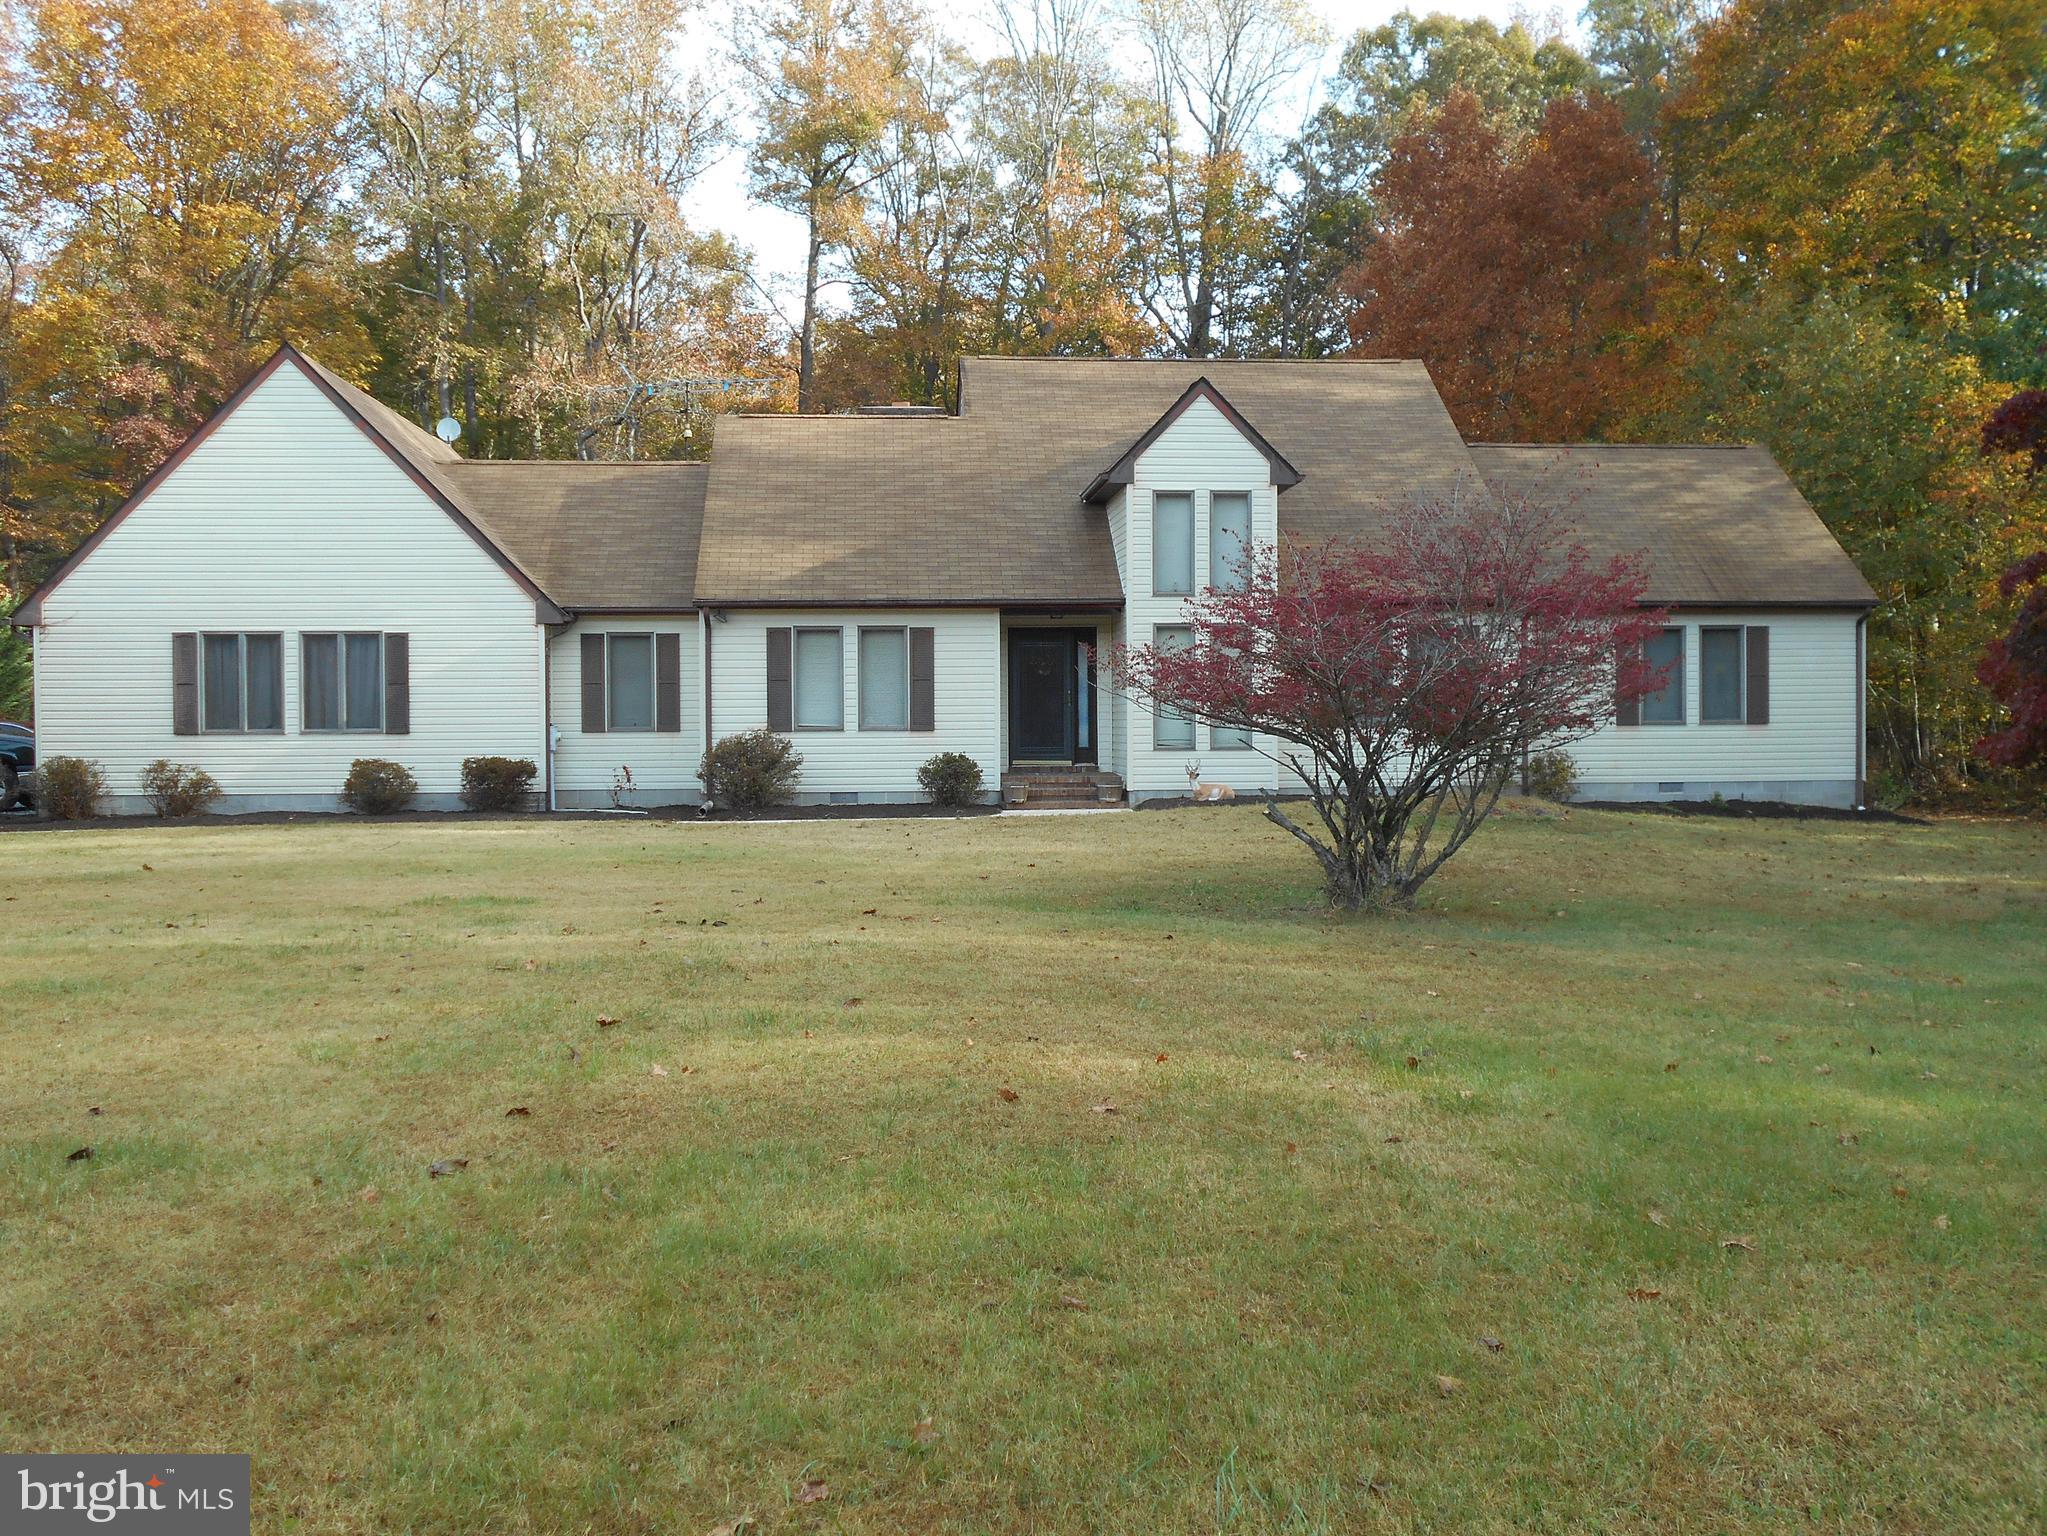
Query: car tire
10	787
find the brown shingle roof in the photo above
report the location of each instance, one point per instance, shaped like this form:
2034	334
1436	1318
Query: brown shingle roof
597	536
986	507
1719	525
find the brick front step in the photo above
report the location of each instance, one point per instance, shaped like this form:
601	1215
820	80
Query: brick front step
1061	788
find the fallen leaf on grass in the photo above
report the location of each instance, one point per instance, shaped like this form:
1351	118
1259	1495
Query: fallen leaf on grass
1824	1071
1657	1218
1300	1055
371	1195
1670	1066
1766	1061
1901	1192
1745	1244
923	1432
657	1070
1491	1343
1940	1222
1162	1055
83	1154
813	1491
1007	1095
605	1021
1292	1148
380	1039
92	1109
1395	1139
731	1527
1447	1384
1105	1109
517	1109
440	1168
1643	1293
1073	1303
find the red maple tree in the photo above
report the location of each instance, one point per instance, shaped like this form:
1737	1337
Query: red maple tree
2014	669
1405	682
1509	265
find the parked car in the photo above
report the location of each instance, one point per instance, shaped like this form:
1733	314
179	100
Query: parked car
17	764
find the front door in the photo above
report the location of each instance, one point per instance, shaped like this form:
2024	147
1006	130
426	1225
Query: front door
1051	696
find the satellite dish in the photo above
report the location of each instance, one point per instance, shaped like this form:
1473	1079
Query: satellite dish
447	429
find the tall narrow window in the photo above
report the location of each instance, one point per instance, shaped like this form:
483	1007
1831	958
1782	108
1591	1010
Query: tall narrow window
1172	732
1172	543
222	698
263	680
341	682
1721	665
629	683
820	680
1229	541
884	679
1666	649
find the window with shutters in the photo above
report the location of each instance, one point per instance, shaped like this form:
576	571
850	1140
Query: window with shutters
241	683
1722	665
341	682
1229	542
885	679
1666	649
1172	543
820	680
1171	731
629	682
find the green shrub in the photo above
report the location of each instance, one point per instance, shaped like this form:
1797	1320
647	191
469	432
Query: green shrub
377	787
751	771
1551	776
70	788
178	789
951	778
496	783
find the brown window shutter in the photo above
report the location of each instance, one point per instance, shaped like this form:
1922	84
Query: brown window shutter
184	685
781	698
1626	711
923	704
593	685
668	682
1758	674
397	685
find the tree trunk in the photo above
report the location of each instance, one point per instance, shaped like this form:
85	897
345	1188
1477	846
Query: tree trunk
806	355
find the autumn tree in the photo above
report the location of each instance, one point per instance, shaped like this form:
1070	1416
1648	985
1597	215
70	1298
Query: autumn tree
1216	66
186	161
1509	266
829	81
530	167
1405	681
1894	148
2014	669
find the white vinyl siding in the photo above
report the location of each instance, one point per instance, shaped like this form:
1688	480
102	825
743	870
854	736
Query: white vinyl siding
1204	452
876	765
663	763
1810	740
287	520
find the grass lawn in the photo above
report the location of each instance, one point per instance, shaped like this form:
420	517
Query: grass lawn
1662	1175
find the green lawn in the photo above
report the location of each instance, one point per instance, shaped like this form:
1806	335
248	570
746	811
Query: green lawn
1730	1134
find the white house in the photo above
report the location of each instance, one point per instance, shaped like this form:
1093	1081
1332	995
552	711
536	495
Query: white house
313	578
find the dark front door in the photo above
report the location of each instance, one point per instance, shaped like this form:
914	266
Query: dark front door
1051	696
1041	676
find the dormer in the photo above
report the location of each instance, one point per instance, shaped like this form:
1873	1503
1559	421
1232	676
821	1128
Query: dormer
1189	495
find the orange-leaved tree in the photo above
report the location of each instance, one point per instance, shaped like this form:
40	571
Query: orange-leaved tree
1510	265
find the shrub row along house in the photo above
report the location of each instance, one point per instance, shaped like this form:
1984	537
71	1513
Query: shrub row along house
313	578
